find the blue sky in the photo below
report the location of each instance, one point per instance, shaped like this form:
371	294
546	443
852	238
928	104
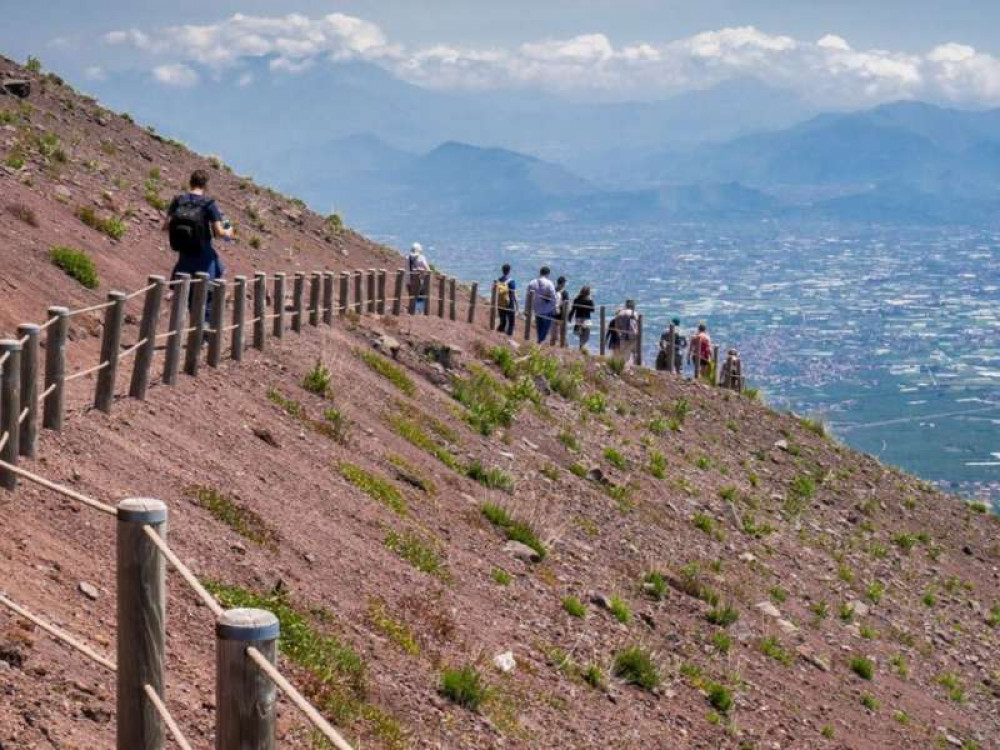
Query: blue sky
836	52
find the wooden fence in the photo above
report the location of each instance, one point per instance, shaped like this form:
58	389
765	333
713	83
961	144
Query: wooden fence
33	394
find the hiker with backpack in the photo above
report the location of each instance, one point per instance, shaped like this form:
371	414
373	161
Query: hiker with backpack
625	327
193	219
700	352
562	303
419	276
506	300
731	376
580	314
545	302
672	352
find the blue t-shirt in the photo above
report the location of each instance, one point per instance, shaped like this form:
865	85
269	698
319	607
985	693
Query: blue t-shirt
206	260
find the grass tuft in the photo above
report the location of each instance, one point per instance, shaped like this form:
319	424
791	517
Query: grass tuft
235	515
375	487
417	552
514	529
388	370
635	666
862	667
574	607
464	687
494	478
318	380
76	264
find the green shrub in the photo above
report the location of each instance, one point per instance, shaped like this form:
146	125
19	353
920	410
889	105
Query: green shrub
772	647
464	687
112	226
334	223
654	585
993	618
235	515
574	607
569	440
815	426
514	529
870	702
417	552
720	697
620	610
721	641
33	65
290	406
681	409
492	477
14	159
615	458
318	380
414	434
490	405
616	365
334	425
593	675
723	615
704	523
875	592
502	577
76	264
635	666
778	594
391	628
595	403
375	487
657	467
862	667
952	686
905	542
388	370
577	469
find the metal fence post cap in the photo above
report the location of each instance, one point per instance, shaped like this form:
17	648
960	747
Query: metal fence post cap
29	328
10	345
247	625
142	510
155	278
58	310
117	295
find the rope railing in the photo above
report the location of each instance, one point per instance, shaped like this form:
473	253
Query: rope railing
57	633
84	373
139	292
57	488
168	720
92	308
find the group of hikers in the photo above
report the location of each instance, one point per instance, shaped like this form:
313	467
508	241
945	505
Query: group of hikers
194	220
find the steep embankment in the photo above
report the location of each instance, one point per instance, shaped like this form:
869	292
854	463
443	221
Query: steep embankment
766	571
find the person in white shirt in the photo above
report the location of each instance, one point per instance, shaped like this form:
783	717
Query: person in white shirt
546	303
420	276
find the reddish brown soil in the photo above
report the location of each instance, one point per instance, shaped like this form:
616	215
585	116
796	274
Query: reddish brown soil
330	551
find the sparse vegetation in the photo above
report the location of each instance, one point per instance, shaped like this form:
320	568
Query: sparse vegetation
616	366
723	615
595	403
720	697
391	628
569	440
870	702
514	529
291	407
620	610
862	667
235	515
334	425
721	641
654	585
501	577
593	675
492	477
615	458
953	687
635	666
76	264
421	555
24	213
772	647
318	380
388	370
490	405
413	433
112	226
375	487
657	466
464	687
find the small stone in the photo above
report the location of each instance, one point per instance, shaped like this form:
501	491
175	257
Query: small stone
953	740
89	590
767	609
521	551
781	445
748	557
788	628
238	548
859	608
62	191
505	662
821	663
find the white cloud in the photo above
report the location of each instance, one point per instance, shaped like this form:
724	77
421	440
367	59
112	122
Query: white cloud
95	73
176	74
827	71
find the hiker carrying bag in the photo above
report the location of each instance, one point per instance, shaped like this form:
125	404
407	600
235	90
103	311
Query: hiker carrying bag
627	325
188	227
503	295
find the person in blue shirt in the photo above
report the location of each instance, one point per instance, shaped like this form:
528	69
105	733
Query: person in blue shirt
545	303
506	300
193	220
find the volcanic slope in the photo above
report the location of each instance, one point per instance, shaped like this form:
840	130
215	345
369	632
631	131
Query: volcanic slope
711	573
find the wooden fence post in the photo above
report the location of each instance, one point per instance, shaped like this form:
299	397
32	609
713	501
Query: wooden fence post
239	317
359	292
10	409
314	292
372	306
452	299
380	307
638	344
142	631
345	290
147	333
199	300
218	323
715	364
473	296
279	305
397	294
442	294
178	324
672	348
493	307
563	323
114	318
259	310
298	302
529	311
328	298
604	330
55	369
28	333
426	284
245	697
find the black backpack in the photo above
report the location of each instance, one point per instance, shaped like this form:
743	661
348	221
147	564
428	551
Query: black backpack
188	228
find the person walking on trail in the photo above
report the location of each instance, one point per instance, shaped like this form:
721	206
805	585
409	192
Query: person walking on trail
545	303
506	300
580	314
732	372
672	352
562	302
419	276
625	326
700	352
193	220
